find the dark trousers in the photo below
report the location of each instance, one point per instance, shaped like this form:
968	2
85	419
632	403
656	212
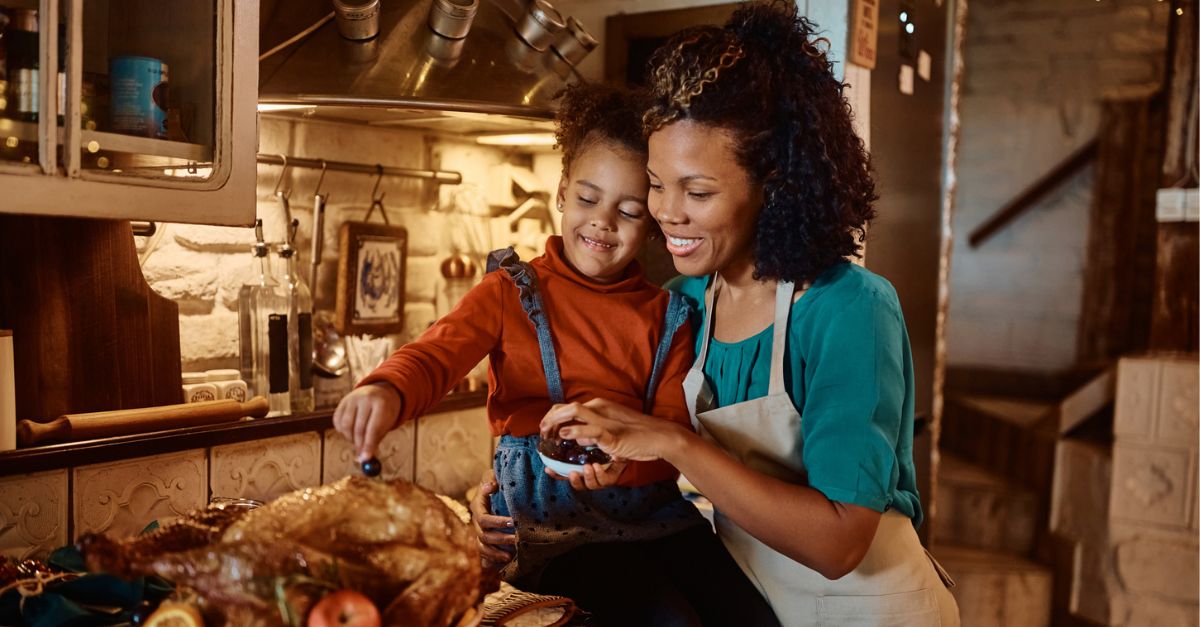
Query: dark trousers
687	580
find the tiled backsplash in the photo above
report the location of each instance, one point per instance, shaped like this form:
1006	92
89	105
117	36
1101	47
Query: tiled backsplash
446	452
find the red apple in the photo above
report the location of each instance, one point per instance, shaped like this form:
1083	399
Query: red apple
344	608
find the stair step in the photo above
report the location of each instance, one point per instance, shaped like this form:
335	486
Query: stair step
1011	437
996	589
977	509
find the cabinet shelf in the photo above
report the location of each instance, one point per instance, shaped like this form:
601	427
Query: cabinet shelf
115	142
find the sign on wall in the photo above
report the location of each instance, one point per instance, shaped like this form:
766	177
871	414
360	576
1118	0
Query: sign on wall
864	32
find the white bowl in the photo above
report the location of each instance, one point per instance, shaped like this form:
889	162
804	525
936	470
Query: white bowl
562	468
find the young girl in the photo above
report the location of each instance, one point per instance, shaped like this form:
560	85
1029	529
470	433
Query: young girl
577	323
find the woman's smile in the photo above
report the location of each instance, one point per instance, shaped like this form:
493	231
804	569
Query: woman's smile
683	246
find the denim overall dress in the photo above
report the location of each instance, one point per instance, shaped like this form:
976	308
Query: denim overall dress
550	517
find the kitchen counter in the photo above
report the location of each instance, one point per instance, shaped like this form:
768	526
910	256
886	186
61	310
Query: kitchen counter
50	495
56	456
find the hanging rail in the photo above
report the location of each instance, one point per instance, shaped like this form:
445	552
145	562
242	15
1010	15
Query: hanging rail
442	177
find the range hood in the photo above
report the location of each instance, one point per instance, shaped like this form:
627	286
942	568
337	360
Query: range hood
490	81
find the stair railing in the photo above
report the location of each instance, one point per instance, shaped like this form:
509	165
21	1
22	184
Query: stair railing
1065	169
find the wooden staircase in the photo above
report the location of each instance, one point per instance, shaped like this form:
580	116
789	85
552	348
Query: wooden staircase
984	534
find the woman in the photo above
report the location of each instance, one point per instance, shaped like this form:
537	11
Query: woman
802	391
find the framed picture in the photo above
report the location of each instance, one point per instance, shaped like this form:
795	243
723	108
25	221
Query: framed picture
371	269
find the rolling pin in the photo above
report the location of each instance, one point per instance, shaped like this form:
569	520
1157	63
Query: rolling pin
103	424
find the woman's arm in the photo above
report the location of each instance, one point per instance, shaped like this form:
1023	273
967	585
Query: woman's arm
798	521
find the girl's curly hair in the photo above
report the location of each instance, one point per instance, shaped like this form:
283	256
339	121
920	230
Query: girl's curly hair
591	112
766	77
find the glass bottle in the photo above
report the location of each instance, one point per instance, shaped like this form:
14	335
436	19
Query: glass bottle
22	58
299	334
262	331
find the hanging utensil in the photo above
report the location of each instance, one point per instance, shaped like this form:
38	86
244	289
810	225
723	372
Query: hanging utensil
329	348
283	195
318	229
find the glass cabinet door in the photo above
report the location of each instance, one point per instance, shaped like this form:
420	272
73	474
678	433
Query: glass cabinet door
148	89
143	111
24	83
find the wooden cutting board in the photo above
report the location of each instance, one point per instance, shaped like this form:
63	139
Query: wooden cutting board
88	332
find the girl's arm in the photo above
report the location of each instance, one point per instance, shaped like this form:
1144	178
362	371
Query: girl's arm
421	372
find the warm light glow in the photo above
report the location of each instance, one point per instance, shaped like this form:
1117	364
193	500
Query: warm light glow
266	106
93	146
185	173
103	162
11	142
517	139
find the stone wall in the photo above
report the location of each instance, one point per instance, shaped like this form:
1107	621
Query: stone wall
202	267
1035	72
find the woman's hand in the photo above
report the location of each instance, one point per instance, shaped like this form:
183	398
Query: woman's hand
486	524
619	431
594	476
366	414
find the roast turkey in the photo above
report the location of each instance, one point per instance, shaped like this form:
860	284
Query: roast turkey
391	540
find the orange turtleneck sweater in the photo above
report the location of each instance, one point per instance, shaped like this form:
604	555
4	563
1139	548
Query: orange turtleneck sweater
605	336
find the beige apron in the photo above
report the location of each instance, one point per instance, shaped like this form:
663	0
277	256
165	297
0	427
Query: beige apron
896	584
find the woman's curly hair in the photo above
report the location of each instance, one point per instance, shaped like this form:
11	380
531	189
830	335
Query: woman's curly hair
766	77
591	112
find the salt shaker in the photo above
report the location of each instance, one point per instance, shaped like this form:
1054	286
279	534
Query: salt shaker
196	388
228	384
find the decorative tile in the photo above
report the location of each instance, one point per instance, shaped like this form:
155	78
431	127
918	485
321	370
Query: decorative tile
265	469
453	451
121	498
1155	563
1137	396
395	452
1179	403
33	514
1151	484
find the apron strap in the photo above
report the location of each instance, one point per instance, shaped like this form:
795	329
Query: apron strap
710	295
784	291
676	316
525	278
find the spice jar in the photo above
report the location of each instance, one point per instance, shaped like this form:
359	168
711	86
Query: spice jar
228	383
196	388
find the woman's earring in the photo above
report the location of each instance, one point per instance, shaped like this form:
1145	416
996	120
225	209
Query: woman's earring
560	205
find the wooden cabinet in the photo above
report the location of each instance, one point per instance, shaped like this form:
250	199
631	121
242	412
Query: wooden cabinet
116	140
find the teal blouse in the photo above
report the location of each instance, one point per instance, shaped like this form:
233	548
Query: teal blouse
848	369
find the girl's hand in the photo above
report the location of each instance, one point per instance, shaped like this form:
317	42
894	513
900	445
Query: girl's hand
486	524
366	414
594	476
619	431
